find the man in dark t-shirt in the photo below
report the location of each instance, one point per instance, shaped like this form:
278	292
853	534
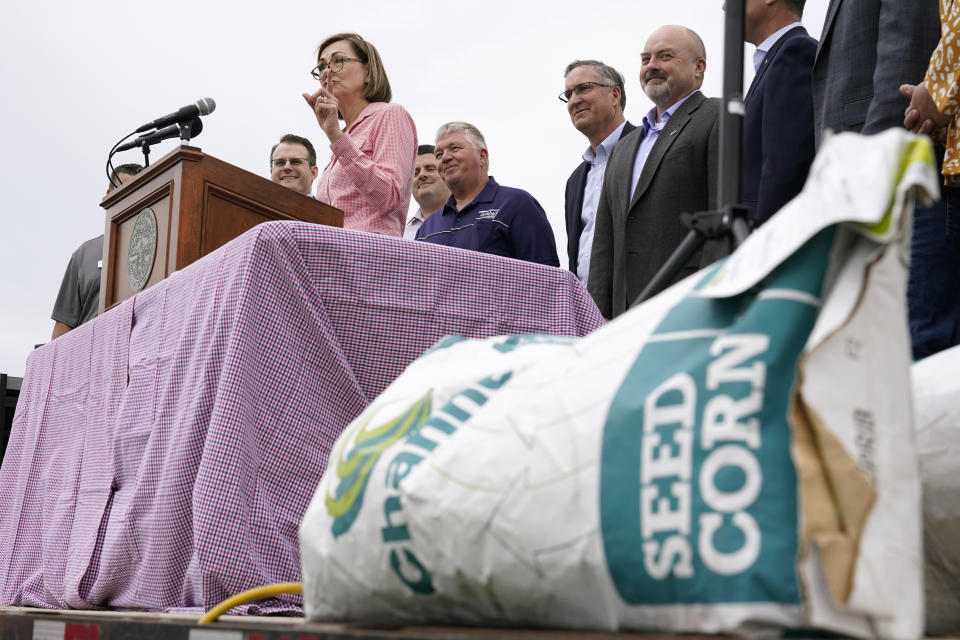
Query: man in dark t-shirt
79	296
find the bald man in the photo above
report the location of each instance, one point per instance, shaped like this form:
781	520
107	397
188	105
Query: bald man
657	172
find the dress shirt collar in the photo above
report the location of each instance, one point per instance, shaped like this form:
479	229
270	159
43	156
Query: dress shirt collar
764	47
365	113
650	120
603	151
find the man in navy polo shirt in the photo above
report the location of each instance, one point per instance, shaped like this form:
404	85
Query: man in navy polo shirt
480	214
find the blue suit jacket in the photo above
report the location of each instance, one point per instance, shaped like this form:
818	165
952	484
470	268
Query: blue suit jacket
778	126
573	205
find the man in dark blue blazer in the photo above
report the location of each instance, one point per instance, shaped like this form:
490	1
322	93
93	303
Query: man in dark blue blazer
778	126
595	100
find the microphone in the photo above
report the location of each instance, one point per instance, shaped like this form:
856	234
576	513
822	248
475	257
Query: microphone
160	134
201	107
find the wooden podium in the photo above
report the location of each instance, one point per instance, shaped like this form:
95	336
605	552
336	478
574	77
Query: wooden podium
183	207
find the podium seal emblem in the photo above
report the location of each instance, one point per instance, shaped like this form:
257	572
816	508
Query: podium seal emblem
143	249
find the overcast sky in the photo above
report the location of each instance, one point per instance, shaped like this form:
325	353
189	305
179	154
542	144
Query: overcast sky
76	77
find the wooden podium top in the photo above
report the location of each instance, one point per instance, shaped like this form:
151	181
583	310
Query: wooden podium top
183	207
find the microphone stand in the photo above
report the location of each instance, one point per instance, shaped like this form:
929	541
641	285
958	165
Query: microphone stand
190	129
728	224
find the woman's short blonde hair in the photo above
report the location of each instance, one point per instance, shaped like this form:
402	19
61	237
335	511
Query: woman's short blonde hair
378	89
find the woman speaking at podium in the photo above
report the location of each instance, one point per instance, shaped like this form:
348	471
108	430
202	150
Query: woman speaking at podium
370	173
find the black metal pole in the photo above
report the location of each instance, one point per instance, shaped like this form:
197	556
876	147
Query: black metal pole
731	113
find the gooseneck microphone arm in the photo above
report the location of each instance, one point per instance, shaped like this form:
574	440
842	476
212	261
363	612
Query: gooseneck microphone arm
184	122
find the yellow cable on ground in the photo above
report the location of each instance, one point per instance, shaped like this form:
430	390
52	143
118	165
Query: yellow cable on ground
257	593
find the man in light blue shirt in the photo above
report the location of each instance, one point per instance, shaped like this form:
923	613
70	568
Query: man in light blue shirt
653	123
657	172
595	98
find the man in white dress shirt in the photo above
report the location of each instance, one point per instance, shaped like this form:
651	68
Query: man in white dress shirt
429	189
595	100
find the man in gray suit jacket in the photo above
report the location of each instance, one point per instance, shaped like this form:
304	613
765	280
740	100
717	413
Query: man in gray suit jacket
655	173
868	48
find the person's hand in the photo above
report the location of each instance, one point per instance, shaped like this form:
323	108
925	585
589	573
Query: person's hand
325	107
921	115
941	137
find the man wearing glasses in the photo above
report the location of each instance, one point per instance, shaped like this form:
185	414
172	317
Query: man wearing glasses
595	100
293	163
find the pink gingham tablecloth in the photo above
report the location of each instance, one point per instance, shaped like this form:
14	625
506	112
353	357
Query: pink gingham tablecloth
163	454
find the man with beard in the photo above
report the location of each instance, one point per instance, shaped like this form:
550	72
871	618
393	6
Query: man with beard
657	172
429	190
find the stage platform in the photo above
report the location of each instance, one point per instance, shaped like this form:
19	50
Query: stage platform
41	624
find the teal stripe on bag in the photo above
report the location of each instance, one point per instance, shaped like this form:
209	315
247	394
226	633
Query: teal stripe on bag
698	492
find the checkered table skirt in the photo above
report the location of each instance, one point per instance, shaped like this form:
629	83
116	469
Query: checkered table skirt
163	454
